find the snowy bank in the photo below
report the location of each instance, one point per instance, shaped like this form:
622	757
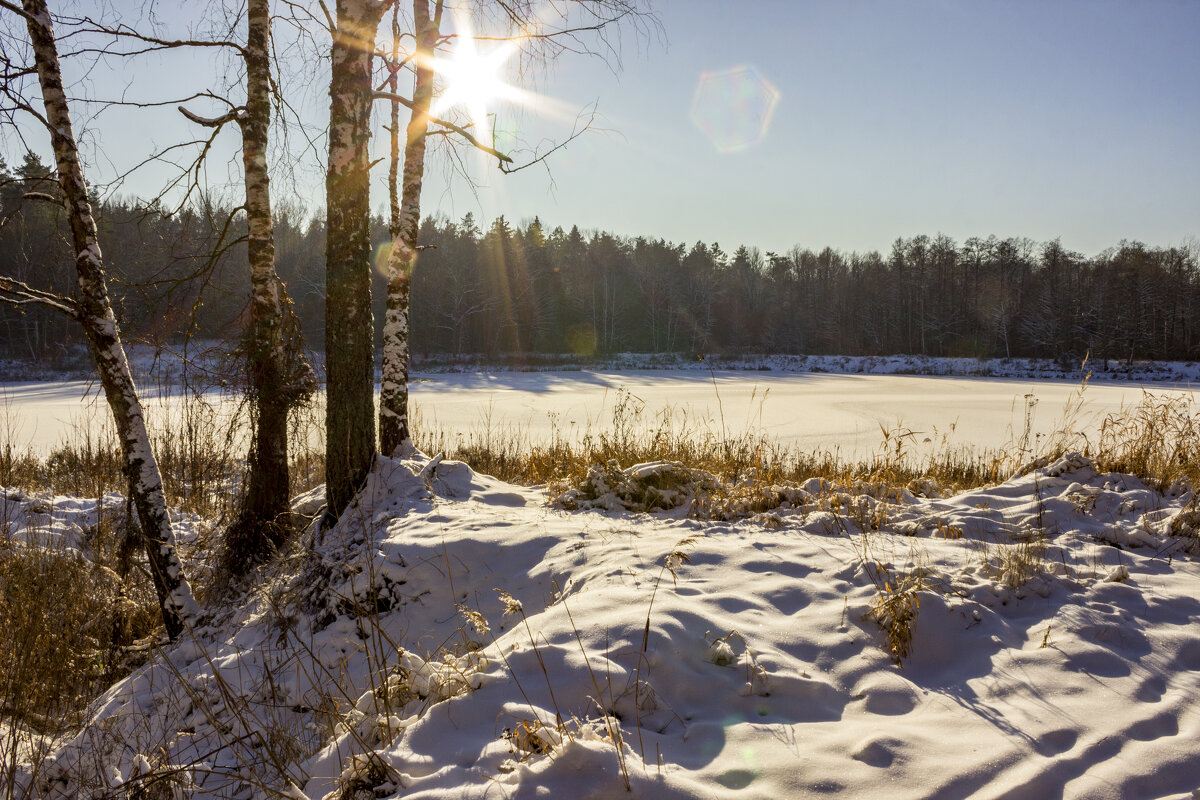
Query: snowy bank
1074	371
208	364
456	637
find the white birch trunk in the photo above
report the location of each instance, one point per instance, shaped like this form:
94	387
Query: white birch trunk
393	398
279	375
178	606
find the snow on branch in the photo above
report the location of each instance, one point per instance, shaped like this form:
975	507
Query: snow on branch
44	197
17	293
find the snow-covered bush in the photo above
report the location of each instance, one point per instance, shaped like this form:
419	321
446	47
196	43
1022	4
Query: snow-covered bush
655	485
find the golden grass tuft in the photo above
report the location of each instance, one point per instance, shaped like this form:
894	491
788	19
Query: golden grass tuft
894	608
65	626
1157	440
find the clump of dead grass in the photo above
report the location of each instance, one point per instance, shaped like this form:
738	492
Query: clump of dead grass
66	629
894	608
1158	440
651	486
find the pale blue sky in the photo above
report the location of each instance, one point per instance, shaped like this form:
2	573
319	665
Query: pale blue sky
1047	118
1040	119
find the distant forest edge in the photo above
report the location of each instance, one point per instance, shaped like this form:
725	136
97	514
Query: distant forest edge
525	289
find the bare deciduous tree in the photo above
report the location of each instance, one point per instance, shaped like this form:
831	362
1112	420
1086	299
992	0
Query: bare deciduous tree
279	375
90	306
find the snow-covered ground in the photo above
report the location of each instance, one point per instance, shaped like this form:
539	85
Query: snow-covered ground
810	410
1054	651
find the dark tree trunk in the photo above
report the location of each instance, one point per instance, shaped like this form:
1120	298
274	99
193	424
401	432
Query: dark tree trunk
349	337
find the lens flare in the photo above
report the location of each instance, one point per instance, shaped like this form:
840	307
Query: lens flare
473	78
733	107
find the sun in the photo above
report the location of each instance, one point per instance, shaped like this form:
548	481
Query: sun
473	78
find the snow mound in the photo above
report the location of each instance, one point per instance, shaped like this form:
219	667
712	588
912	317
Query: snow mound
655	485
452	636
71	523
669	485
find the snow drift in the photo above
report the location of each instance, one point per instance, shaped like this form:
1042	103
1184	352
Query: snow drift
456	637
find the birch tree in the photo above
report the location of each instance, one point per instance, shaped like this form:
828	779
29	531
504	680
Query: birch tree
406	220
278	376
536	35
90	306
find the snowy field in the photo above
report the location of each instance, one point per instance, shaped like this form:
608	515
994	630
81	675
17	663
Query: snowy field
812	410
455	637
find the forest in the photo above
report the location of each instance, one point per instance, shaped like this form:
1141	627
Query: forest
512	289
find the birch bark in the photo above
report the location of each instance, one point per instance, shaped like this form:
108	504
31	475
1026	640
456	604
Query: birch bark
178	606
393	398
279	375
349	335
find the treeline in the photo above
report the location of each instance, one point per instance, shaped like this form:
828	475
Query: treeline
525	289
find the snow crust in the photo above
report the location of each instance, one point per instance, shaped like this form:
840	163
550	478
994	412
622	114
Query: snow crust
837	412
717	658
62	522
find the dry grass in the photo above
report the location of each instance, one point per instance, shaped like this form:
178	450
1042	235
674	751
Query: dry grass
1158	440
71	622
199	446
750	467
66	624
895	608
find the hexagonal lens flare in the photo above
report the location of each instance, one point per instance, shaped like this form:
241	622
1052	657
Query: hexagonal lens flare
733	107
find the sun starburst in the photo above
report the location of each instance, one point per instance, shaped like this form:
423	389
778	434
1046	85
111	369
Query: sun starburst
473	77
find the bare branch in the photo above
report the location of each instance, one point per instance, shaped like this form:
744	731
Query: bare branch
555	34
303	10
21	105
328	17
17	293
110	103
9	215
7	6
122	31
19	73
232	115
450	126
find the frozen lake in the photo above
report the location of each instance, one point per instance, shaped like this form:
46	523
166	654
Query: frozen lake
827	411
